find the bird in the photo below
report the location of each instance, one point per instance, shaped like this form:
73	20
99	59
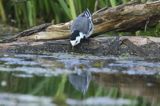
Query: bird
81	28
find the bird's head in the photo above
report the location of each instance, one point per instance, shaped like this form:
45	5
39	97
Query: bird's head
76	37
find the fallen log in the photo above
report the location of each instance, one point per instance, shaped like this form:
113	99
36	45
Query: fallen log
127	17
125	45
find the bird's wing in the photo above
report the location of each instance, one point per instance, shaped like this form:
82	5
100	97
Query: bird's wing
81	24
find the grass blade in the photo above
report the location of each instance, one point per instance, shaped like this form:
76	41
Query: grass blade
65	8
113	3
72	9
2	12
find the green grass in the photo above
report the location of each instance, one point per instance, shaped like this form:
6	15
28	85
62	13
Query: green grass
2	12
28	13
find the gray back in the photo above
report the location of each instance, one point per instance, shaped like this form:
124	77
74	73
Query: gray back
81	24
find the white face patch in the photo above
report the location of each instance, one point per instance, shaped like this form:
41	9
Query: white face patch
78	39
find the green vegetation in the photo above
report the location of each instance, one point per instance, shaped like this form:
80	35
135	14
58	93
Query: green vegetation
28	13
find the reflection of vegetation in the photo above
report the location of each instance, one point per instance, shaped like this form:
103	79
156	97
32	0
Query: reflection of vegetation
142	89
61	89
60	97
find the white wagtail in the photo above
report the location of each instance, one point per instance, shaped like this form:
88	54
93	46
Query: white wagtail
81	28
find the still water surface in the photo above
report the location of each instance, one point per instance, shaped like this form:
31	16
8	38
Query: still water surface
62	79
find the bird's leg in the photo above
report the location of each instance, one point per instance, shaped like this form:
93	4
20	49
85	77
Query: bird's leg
85	39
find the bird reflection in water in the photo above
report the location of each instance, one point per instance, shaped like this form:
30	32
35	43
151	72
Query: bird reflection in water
80	81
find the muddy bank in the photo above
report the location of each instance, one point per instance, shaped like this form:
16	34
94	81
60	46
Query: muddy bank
124	45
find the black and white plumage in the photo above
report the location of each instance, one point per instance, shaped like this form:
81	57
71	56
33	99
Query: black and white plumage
81	28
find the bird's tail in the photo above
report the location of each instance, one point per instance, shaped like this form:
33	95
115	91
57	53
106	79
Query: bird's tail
87	13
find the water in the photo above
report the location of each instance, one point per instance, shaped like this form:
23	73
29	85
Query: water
78	79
